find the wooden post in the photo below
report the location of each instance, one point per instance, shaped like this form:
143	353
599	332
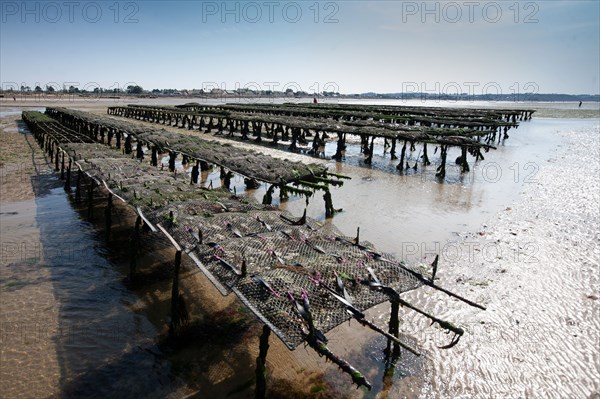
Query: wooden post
391	355
463	159
78	187
295	134
56	168
442	168
364	143
68	180
175	316
261	364
135	249
268	197
425	157
251	184
128	148
370	151
275	131
258	132
329	211
395	326
402	154
393	150
283	195
139	152
108	216
154	156
172	156
227	180
90	215
195	173
340	145
62	166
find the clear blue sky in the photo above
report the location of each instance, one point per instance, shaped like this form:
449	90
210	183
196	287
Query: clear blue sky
346	46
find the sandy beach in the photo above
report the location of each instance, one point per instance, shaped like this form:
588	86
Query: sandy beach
525	245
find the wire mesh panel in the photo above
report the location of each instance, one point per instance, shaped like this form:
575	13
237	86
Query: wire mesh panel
301	261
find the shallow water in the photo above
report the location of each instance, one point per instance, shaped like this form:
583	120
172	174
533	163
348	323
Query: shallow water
397	211
14	111
67	323
519	233
107	346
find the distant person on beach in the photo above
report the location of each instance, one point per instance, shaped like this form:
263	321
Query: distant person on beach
315	100
580	102
14	98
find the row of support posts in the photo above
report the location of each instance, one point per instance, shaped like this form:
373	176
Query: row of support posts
367	148
65	174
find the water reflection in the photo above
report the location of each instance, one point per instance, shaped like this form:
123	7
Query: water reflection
104	349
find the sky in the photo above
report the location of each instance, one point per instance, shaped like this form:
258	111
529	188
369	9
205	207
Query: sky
474	47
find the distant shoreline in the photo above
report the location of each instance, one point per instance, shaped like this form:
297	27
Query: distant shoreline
425	97
544	109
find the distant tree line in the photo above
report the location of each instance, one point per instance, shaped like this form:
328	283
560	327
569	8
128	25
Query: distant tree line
139	90
132	89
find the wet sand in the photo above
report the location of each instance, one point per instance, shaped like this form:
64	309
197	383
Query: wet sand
518	245
536	266
29	309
